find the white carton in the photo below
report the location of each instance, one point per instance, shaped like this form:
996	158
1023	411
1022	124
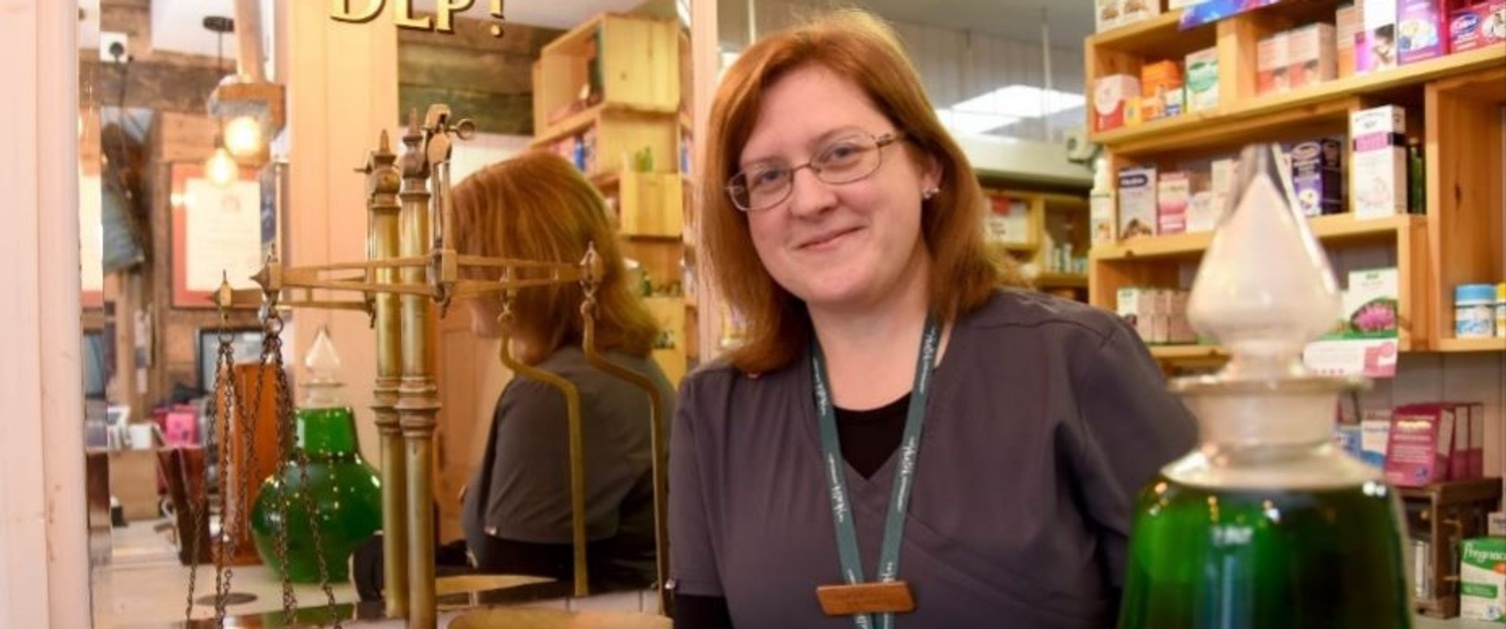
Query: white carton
1137	202
1378	167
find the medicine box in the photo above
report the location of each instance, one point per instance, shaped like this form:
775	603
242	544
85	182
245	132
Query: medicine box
1111	96
1131	11
1369	302
1482	579
1477	26
1137	202
1318	176
1160	84
1378	170
1271	64
1375	48
1105	14
1136	305
1311	55
1375	432
1173	195
1421	30
1418	448
1346	27
1201	90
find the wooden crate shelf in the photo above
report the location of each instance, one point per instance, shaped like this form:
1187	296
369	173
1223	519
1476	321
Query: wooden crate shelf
1497	344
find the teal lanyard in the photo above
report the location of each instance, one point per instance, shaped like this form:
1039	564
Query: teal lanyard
841	507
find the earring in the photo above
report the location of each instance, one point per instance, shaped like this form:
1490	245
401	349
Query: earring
930	193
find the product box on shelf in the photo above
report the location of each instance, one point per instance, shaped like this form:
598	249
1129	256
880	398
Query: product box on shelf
1378	170
1469	445
1201	92
1482	579
1160	89
1375	48
1421	30
1369	302
1477	26
1375	433
1271	64
1137	202
1346	28
1131	11
1173	195
1421	440
1202	212
1137	305
1111	96
1105	15
1318	176
1311	55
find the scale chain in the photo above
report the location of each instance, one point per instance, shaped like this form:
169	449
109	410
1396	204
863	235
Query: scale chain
299	459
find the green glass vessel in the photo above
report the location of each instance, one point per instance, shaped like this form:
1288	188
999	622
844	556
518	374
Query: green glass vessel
343	490
1249	559
1266	524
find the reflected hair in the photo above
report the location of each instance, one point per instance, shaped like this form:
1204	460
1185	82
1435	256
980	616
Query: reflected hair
863	49
537	206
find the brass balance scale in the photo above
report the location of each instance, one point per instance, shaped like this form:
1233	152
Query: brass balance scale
410	264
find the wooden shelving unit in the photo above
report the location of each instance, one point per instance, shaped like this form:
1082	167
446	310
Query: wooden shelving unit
1451	101
1053	217
608	95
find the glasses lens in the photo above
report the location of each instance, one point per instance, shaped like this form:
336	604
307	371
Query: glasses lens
759	187
847	159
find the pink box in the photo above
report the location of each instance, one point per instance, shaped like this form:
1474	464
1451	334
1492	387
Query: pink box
1421	30
1173	195
1460	456
1471	442
1477	26
1420	444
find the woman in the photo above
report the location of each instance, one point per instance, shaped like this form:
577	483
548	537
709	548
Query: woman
516	513
849	236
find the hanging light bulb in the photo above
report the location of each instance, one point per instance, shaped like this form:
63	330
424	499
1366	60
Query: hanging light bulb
220	168
243	136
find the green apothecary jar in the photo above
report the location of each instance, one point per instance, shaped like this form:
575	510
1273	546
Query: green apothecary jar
1267	524
343	490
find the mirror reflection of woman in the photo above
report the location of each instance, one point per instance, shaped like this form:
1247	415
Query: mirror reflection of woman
517	512
892	365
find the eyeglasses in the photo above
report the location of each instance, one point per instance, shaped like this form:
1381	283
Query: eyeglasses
843	160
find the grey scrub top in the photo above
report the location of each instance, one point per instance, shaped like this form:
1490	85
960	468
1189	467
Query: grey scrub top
1046	418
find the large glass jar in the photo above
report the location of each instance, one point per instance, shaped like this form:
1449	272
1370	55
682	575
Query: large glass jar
331	477
1266	524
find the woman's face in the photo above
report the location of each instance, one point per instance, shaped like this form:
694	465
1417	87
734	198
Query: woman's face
836	246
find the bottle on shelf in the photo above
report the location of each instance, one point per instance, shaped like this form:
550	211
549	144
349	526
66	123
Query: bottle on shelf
1266	523
1101	208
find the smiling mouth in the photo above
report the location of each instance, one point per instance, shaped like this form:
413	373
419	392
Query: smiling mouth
825	239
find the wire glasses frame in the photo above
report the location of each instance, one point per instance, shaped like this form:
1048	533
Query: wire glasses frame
845	160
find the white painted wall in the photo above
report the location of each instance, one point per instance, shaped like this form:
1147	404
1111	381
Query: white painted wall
43	550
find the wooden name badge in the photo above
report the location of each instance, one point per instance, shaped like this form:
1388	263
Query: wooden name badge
866	598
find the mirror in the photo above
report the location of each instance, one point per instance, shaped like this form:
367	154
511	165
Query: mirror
147	72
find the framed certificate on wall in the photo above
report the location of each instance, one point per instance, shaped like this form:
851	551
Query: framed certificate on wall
216	233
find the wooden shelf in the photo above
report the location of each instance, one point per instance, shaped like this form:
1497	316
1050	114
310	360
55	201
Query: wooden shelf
1258	115
1329	229
1497	344
582	120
